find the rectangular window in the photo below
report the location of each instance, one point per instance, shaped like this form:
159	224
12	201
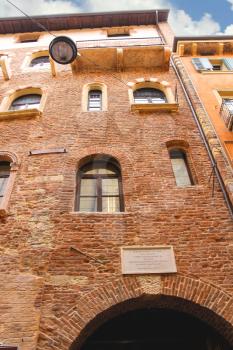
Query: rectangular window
95	100
180	168
226	112
211	64
4	176
28	38
118	32
3	183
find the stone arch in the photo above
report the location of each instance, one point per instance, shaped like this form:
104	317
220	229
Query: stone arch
121	156
11	95
196	297
156	83
126	163
95	86
11	157
30	56
14	166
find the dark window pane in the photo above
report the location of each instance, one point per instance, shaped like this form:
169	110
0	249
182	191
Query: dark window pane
217	67
180	168
118	35
26	102
40	61
28	40
149	95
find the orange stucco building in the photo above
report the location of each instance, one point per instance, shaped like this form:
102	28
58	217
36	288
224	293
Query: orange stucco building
209	63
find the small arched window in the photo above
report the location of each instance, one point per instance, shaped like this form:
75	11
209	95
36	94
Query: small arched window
180	167
99	186
26	102
95	100
4	177
149	95
40	61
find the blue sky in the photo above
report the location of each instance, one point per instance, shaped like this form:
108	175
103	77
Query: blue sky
196	9
187	17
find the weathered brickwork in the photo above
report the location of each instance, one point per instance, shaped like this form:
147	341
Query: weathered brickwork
51	293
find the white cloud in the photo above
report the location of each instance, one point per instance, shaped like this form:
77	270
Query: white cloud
231	2
37	7
106	5
229	30
181	22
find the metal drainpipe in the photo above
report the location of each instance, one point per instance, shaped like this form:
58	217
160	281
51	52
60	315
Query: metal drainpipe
213	162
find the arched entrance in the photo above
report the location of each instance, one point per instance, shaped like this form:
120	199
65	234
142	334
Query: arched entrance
181	294
155	322
155	328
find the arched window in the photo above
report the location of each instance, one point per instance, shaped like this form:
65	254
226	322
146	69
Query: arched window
149	95
26	102
95	100
40	61
4	177
99	186
180	167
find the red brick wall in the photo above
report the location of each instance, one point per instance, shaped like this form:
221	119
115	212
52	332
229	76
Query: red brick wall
42	278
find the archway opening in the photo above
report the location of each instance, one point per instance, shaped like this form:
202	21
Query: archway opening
155	329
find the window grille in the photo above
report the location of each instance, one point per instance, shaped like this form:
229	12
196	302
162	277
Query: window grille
95	100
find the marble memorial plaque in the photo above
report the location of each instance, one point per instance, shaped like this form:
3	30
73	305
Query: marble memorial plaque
145	260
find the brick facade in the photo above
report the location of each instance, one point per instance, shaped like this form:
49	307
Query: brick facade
50	293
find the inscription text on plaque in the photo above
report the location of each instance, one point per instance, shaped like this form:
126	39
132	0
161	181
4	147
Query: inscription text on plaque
144	260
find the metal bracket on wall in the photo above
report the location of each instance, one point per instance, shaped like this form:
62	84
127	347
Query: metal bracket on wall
87	255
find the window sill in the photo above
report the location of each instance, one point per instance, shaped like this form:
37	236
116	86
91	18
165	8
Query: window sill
153	107
98	213
217	72
25	113
36	69
189	187
100	111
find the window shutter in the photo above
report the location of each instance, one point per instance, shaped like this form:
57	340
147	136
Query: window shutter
228	63
202	64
